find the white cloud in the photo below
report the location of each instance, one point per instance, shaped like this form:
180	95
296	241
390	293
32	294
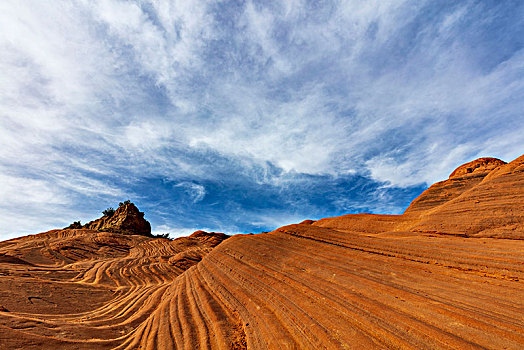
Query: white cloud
17	190
195	191
275	219
298	135
99	93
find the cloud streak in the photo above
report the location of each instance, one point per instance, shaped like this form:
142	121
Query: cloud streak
200	110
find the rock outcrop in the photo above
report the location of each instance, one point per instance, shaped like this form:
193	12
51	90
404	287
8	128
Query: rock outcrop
477	168
481	198
126	219
461	179
493	207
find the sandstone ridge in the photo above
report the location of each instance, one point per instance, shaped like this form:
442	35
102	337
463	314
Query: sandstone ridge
482	198
478	167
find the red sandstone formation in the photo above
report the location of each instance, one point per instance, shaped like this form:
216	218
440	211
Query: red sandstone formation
462	179
126	219
483	198
447	274
492	208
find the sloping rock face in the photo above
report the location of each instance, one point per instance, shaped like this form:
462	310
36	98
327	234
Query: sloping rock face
462	179
477	168
126	219
363	223
411	281
482	198
494	207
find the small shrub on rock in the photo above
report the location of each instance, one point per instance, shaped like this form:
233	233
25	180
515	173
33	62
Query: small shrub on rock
109	212
124	203
74	225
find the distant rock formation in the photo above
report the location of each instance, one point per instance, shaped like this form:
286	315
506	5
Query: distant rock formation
126	219
211	237
461	179
195	247
479	167
482	198
492	207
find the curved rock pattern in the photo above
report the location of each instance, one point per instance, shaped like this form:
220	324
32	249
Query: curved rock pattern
87	289
434	277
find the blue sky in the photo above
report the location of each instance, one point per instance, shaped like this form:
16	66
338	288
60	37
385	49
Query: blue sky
242	116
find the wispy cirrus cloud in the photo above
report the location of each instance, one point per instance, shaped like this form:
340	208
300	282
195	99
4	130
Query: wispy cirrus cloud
244	116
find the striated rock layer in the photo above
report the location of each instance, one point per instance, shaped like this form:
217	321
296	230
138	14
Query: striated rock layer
461	179
84	289
447	274
483	198
494	207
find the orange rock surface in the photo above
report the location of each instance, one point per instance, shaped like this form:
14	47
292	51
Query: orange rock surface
126	219
447	274
492	208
